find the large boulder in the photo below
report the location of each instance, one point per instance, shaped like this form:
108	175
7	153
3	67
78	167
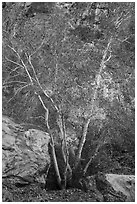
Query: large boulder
25	155
124	184
115	187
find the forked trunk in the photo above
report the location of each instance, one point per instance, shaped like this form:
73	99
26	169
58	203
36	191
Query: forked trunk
64	148
82	142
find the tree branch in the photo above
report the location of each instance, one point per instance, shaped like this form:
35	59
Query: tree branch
14	62
18	90
85	129
38	48
10	82
29	59
23	64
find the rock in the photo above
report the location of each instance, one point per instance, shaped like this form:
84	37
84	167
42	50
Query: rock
116	188
25	153
109	194
124	184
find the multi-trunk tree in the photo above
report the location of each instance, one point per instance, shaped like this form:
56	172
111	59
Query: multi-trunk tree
74	61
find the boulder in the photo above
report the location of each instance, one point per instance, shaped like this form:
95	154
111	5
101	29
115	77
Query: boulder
115	187
25	154
124	184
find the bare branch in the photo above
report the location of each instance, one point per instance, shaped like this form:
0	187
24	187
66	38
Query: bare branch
9	77
17	91
38	48
121	21
91	159
46	109
108	58
44	91
10	82
24	66
83	139
101	141
14	62
82	142
106	50
11	72
126	39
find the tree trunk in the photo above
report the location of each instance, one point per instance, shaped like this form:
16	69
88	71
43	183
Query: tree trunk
91	159
82	142
51	143
64	148
55	161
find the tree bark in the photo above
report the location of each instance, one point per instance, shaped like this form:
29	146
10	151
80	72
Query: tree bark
55	162
91	159
64	149
51	143
82	142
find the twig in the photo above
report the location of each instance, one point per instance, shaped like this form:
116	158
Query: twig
38	48
14	62
10	82
24	66
18	90
9	77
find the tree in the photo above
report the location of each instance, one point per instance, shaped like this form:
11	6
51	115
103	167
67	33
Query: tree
76	62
